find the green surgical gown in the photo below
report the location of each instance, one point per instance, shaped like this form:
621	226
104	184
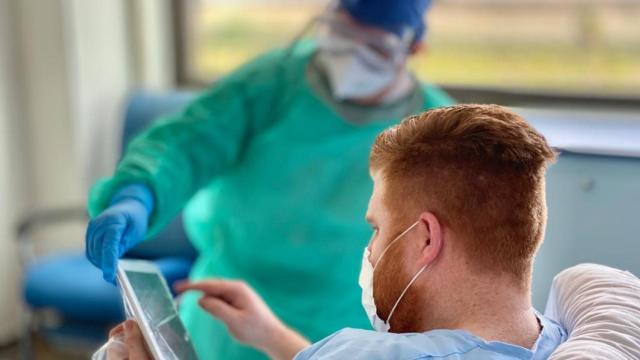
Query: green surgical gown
276	184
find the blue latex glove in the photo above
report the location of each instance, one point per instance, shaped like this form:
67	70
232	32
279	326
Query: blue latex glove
118	228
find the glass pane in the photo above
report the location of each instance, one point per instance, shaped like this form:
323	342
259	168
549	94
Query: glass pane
563	45
220	35
590	46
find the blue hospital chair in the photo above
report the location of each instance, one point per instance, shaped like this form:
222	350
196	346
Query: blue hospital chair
65	286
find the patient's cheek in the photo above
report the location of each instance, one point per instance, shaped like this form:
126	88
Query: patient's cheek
390	279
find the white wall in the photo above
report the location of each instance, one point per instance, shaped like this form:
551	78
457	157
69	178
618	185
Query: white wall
113	46
12	176
98	44
66	67
152	28
38	167
52	163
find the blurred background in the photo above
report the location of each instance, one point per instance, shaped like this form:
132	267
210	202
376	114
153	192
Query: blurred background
567	46
68	69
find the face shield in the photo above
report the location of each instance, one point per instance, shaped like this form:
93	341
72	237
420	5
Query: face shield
386	45
359	61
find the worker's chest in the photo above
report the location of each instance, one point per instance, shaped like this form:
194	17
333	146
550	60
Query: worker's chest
310	154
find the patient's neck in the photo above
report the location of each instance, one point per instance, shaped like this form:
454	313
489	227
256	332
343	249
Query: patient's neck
492	307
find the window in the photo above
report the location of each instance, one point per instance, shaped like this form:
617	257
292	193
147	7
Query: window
563	46
218	35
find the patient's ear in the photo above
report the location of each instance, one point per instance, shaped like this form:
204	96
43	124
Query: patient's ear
433	239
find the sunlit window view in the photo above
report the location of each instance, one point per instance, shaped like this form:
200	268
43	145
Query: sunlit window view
573	46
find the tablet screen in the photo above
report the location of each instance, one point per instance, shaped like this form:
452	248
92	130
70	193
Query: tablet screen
161	315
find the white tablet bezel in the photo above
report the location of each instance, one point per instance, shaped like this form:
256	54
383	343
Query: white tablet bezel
144	267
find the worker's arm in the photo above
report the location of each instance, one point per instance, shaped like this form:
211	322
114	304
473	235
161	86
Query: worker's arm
247	317
183	152
118	228
169	162
164	166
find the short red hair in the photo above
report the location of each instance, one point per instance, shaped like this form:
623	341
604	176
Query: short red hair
480	169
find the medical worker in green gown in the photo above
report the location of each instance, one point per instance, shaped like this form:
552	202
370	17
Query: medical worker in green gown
270	167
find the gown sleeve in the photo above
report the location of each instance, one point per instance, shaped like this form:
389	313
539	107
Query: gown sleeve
183	152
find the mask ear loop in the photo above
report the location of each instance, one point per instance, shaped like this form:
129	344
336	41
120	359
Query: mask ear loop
393	309
393	241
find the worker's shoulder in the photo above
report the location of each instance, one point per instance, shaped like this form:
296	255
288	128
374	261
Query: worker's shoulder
272	64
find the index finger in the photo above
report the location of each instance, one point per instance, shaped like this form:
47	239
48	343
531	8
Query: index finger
225	289
110	254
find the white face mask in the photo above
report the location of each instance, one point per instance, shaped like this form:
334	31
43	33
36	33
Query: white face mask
366	283
354	70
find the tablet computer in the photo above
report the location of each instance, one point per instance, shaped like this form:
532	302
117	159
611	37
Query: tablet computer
148	300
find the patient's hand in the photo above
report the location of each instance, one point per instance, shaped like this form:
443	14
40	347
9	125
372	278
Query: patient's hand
136	348
247	316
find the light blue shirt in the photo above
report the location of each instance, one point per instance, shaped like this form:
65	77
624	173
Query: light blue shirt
354	344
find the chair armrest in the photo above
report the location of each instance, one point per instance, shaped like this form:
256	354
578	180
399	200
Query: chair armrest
45	217
40	218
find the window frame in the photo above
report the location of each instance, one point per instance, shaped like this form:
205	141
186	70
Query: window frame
510	96
180	11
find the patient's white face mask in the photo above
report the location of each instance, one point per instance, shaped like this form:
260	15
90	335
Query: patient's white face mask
366	283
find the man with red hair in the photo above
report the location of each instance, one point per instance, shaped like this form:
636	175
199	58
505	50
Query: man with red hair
458	212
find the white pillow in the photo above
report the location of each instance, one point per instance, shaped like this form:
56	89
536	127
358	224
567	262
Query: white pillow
600	308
